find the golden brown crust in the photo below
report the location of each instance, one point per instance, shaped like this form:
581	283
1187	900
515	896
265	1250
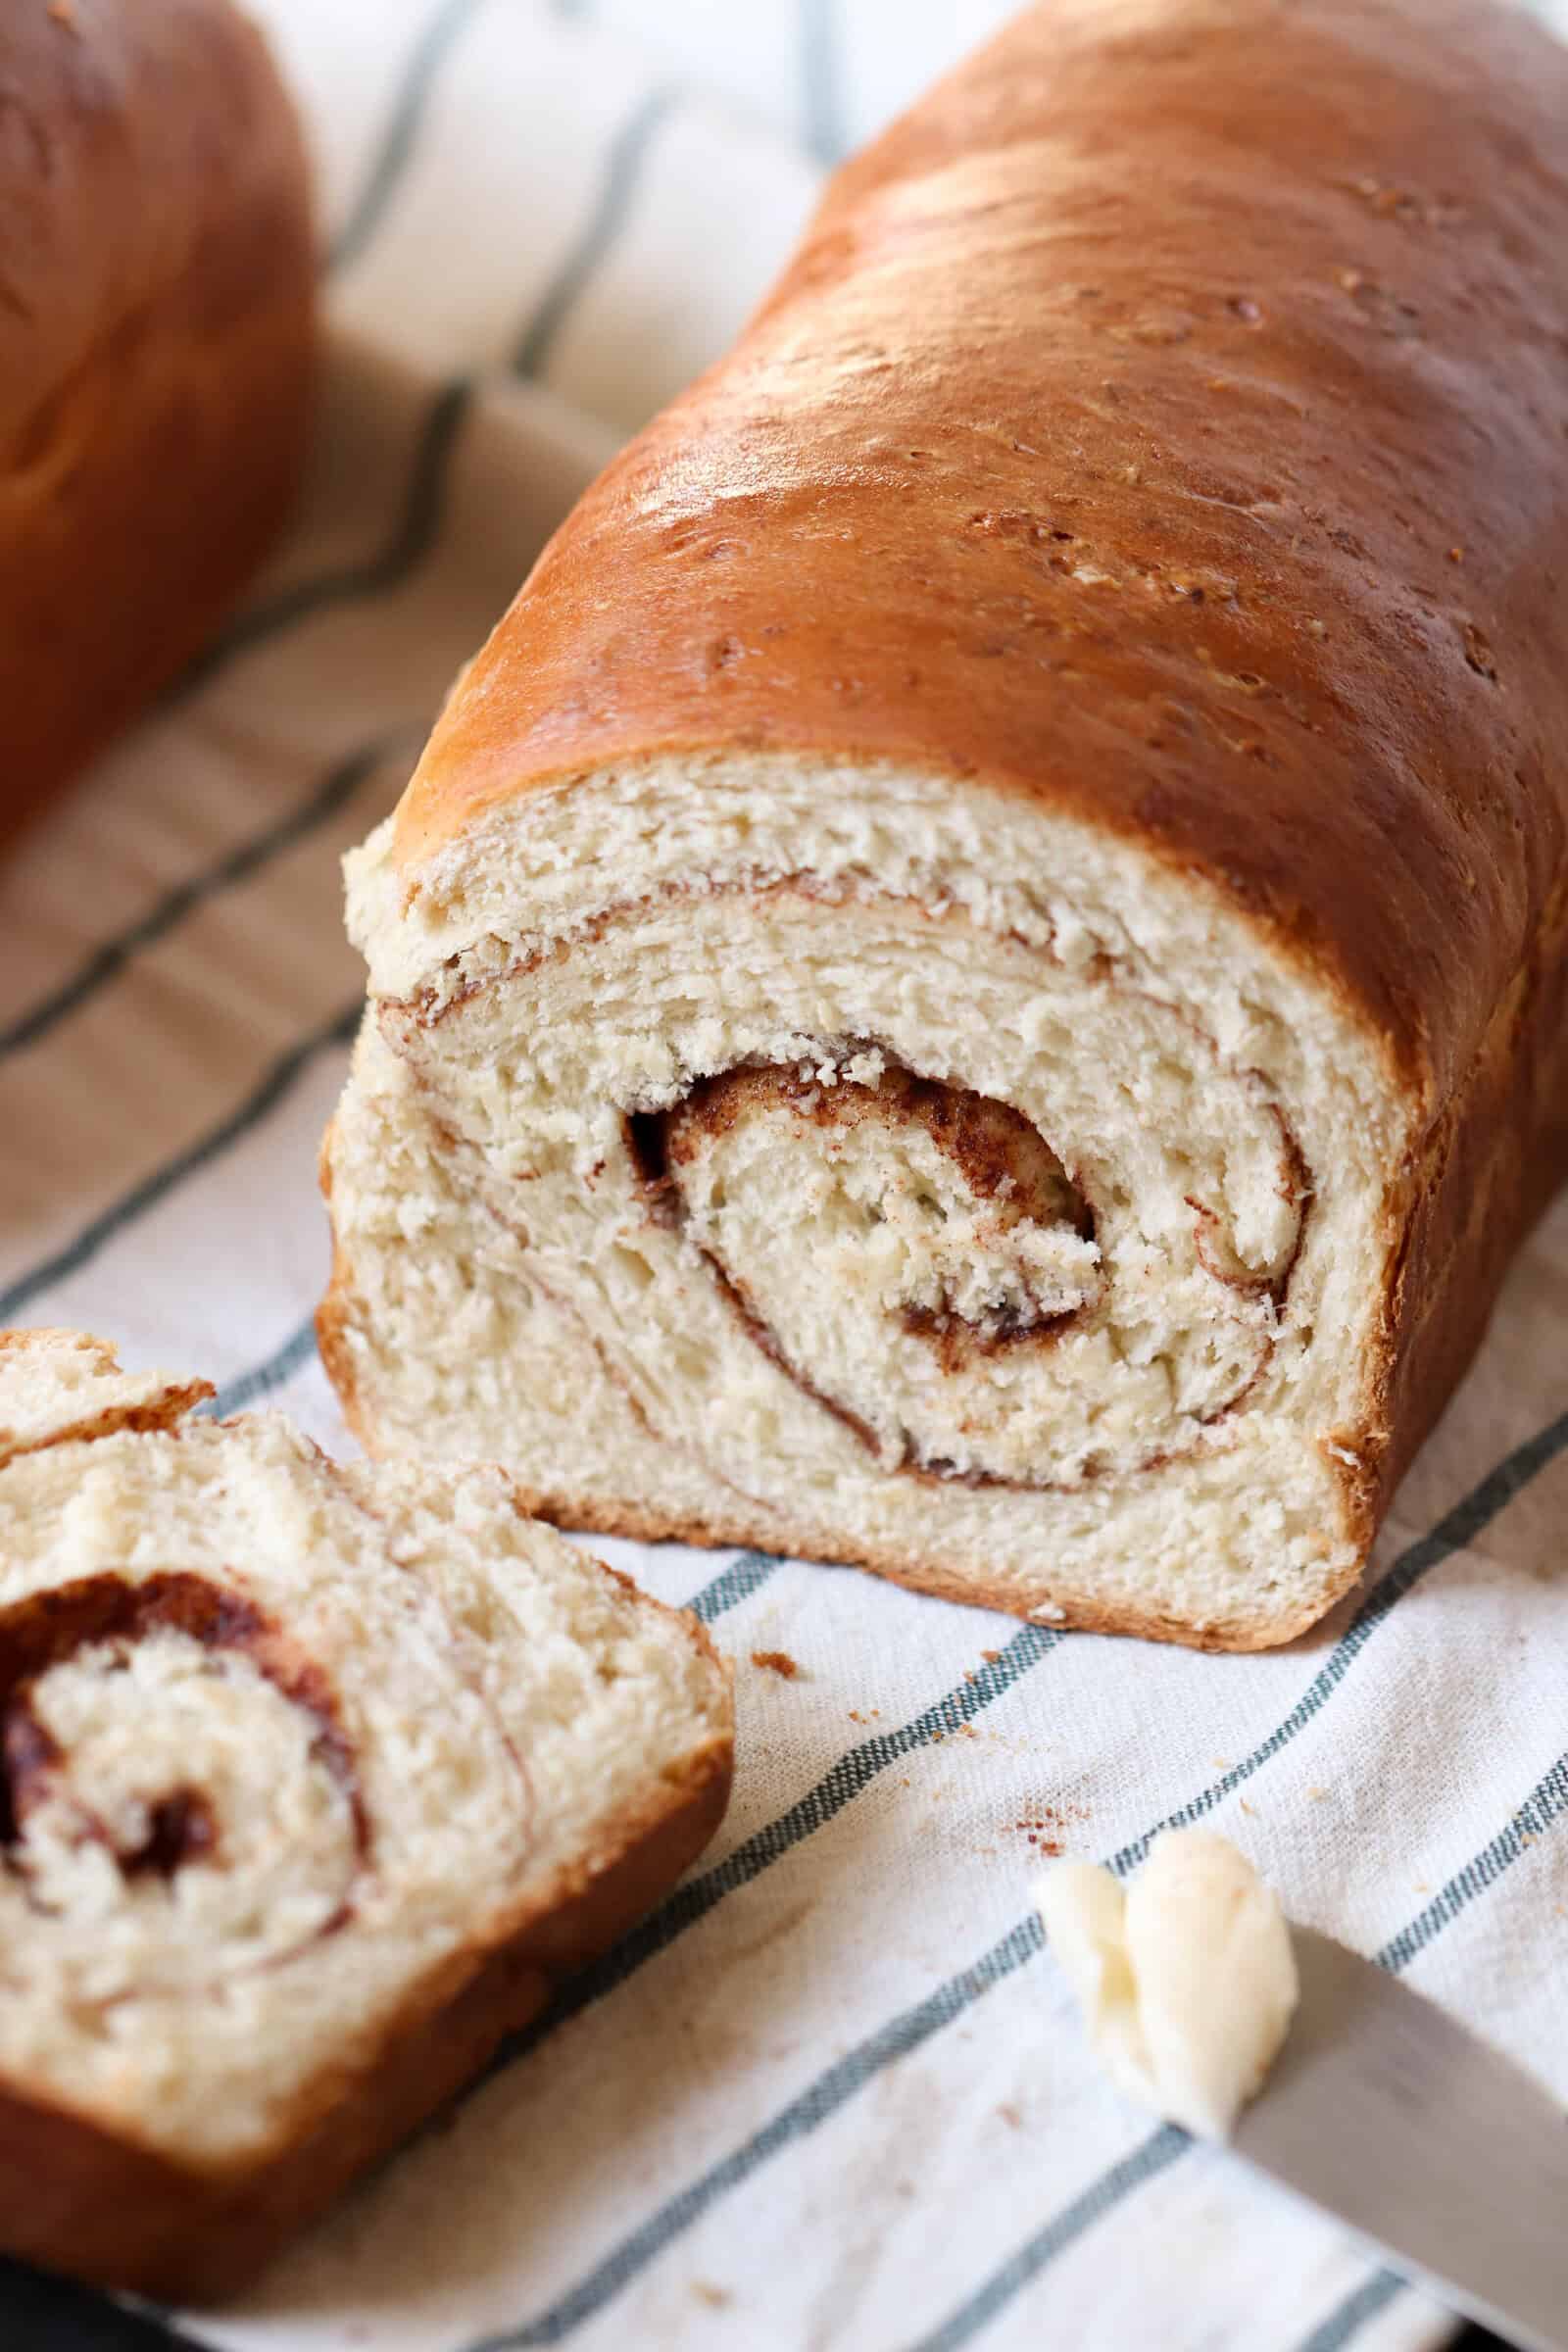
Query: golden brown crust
157	303
1491	1166
1160	422
76	2198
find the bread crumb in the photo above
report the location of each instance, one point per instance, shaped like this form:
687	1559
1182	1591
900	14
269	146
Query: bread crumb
1009	2114
778	1661
715	2297
1047	1828
1316	1795
1247	1808
990	1656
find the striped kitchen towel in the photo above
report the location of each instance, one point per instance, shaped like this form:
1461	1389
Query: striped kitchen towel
830	2096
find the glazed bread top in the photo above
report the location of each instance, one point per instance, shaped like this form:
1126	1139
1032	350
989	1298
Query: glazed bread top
1165	421
142	148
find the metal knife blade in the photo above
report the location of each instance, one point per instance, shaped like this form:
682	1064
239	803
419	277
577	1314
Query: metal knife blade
1441	2153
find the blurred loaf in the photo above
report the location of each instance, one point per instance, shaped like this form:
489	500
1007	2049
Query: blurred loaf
156	332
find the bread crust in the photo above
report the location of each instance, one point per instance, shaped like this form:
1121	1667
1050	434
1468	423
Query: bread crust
156	327
841	542
1161	424
76	2198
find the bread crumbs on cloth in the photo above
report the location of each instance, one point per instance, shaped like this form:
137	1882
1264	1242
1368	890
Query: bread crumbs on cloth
776	1661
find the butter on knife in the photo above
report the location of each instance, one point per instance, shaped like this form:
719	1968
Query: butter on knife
1186	1979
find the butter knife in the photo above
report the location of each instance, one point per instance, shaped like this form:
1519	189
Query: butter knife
1447	2158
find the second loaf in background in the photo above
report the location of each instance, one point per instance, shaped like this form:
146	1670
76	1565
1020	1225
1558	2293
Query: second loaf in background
974	979
156	355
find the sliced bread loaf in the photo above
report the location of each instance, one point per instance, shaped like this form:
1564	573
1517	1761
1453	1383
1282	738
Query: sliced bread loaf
312	1780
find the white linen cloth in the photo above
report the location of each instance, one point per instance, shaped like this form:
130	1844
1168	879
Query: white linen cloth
833	2096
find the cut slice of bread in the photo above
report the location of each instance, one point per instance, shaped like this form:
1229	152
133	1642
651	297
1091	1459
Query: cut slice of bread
313	1780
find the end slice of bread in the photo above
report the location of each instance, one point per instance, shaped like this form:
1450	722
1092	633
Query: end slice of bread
313	1781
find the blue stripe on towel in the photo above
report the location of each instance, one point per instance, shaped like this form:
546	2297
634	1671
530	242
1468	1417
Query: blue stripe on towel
109	959
1546	1804
1151	2155
414	533
845	1779
624	165
803	2114
821	100
296	1351
1362	2305
441	34
1462	1526
124	1213
733	1585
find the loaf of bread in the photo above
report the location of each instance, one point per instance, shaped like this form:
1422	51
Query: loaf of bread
155	329
311	1782
974	979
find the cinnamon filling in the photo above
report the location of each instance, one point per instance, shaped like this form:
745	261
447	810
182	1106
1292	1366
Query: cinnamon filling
1081	1279
181	1829
109	1614
967	1304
